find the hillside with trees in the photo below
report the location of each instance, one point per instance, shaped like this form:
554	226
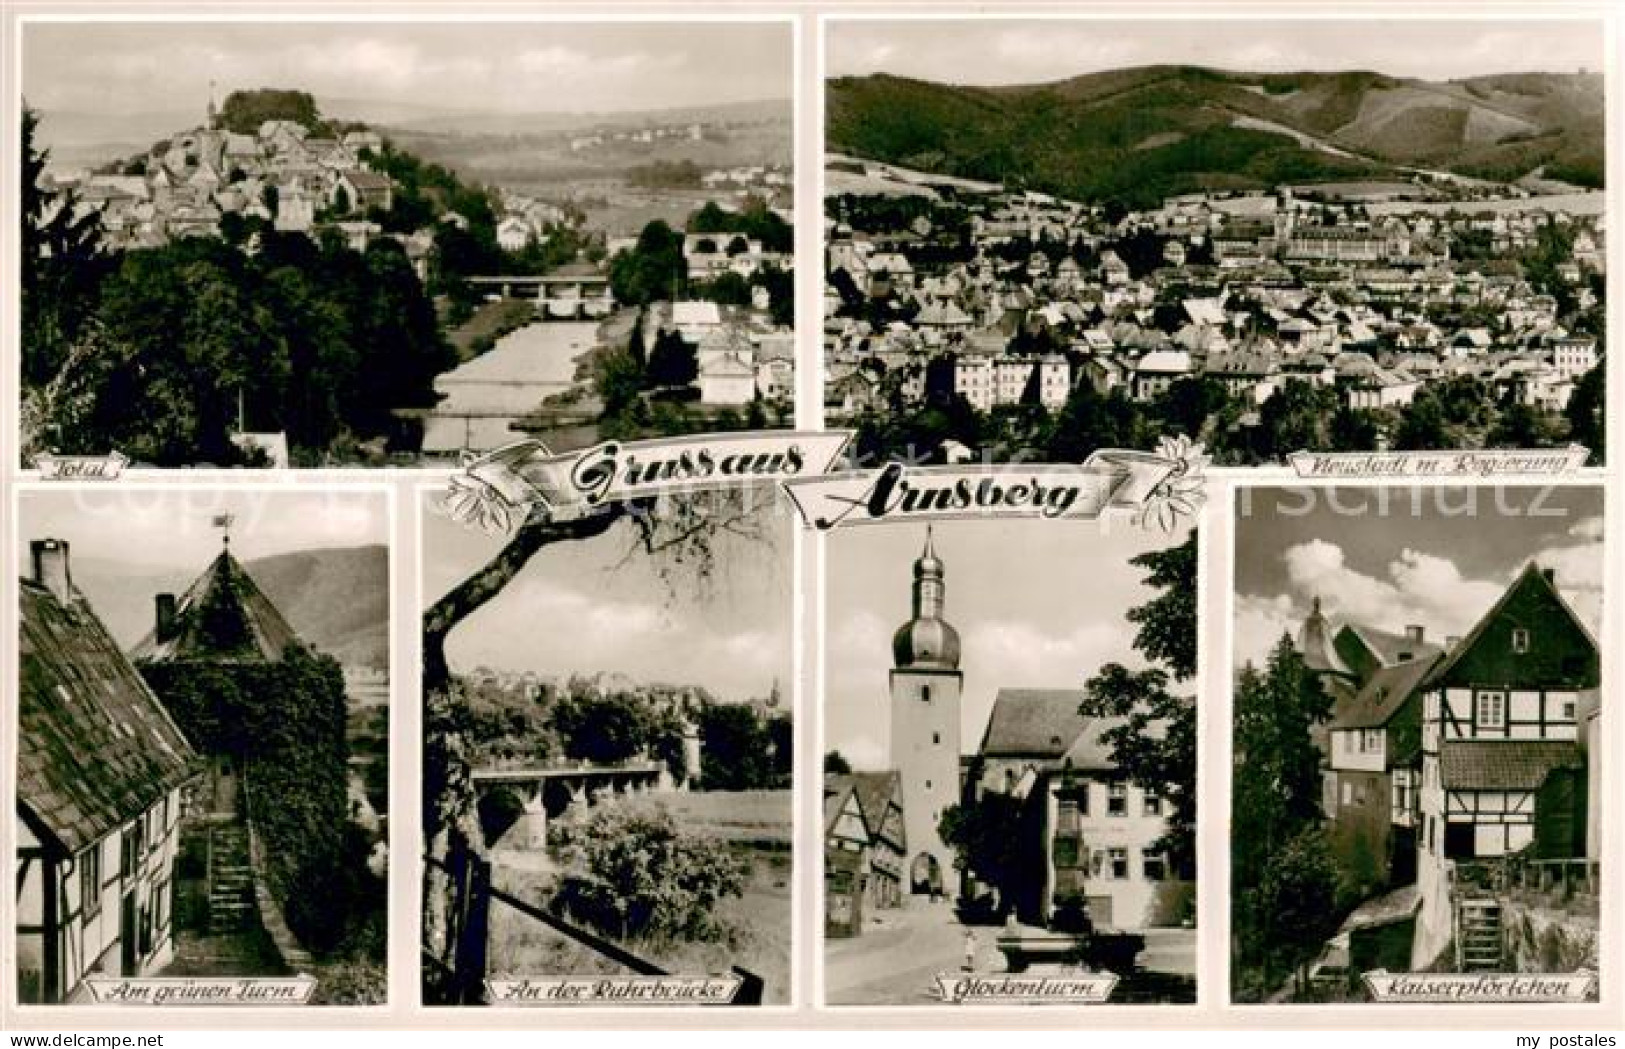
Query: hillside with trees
1139	135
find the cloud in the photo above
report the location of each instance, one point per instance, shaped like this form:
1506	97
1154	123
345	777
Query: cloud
1415	588
1259	624
538	624
1024	653
1588	528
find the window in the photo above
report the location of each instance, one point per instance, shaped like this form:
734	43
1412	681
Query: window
130	852
1118	859
1568	709
1154	865
936	739
1153	804
1348	793
1117	799
1492	710
1082	797
925	693
90	881
1520	639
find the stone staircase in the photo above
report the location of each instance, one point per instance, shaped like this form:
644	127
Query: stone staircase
1480	938
231	879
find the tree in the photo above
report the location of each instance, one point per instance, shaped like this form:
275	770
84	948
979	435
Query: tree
603	729
62	264
1585	414
1155	744
1294	418
672	361
678	532
986	836
1519	426
652	269
244	111
1422	426
835	763
735	748
639	874
1190	402
1292	907
1353	430
1275	796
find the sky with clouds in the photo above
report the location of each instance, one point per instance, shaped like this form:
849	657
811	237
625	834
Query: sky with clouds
1009	51
154	530
528	67
1038	604
586	607
1388	558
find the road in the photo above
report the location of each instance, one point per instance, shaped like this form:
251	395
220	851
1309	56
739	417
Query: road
898	957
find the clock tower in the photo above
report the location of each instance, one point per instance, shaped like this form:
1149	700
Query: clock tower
924	744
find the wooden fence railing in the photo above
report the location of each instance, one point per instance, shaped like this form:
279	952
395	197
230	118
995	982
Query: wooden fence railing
469	932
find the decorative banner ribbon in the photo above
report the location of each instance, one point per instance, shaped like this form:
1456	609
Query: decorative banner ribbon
1481	988
524	477
1488	462
202	990
53	467
1008	989
1109	479
498	490
615	990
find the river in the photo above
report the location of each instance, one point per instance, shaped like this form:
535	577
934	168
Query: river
483	396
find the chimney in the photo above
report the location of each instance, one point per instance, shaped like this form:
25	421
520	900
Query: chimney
51	567
164	625
1416	634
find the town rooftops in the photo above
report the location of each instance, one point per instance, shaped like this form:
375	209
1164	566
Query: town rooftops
1504	764
96	748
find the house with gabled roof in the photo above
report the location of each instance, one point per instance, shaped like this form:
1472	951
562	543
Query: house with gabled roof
1505	749
102	774
1094	834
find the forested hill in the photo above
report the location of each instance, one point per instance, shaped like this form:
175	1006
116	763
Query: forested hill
1144	133
337	599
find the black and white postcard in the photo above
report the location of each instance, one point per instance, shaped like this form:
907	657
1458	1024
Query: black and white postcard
321	243
1417	807
608	747
203	748
1052	234
1009	782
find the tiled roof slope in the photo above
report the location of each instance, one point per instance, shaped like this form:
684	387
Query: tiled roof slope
97	748
1504	764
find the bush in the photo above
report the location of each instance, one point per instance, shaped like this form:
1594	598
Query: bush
640	874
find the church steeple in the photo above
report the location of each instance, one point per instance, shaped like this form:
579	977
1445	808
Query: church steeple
1316	646
928	582
927	639
213	113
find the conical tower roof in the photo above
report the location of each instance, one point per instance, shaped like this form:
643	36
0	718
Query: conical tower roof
223	616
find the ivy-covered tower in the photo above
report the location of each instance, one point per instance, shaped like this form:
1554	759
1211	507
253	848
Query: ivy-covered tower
270	712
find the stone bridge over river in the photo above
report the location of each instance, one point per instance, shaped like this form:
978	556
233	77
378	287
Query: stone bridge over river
549	792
